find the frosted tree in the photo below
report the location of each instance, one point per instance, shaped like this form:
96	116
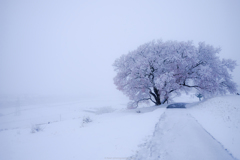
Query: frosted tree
157	70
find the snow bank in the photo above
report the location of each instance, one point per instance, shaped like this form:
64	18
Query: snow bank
220	116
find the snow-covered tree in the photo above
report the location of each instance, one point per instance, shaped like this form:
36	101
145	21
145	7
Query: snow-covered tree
157	70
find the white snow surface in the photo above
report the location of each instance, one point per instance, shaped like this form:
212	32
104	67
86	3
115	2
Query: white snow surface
204	130
220	117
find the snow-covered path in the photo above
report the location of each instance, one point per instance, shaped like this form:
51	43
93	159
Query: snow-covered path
179	136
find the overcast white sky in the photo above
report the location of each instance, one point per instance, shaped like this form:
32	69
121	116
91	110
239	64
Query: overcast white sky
68	47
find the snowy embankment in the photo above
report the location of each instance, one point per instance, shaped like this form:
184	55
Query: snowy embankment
177	135
220	117
208	130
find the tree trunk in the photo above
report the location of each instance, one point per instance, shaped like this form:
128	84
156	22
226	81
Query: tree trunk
157	96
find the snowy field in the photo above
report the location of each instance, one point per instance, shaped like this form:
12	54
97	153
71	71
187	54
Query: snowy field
37	128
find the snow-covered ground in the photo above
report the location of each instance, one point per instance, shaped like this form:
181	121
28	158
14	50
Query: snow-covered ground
220	117
39	128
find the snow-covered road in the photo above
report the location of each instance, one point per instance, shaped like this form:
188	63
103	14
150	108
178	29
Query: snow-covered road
178	135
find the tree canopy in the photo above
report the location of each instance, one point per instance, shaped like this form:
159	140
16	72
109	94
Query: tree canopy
157	70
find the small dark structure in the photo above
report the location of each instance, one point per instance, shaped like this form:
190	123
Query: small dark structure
177	105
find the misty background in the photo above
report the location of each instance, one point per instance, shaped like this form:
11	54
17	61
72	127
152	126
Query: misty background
58	47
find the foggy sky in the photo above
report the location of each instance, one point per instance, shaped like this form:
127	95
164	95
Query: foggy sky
68	47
